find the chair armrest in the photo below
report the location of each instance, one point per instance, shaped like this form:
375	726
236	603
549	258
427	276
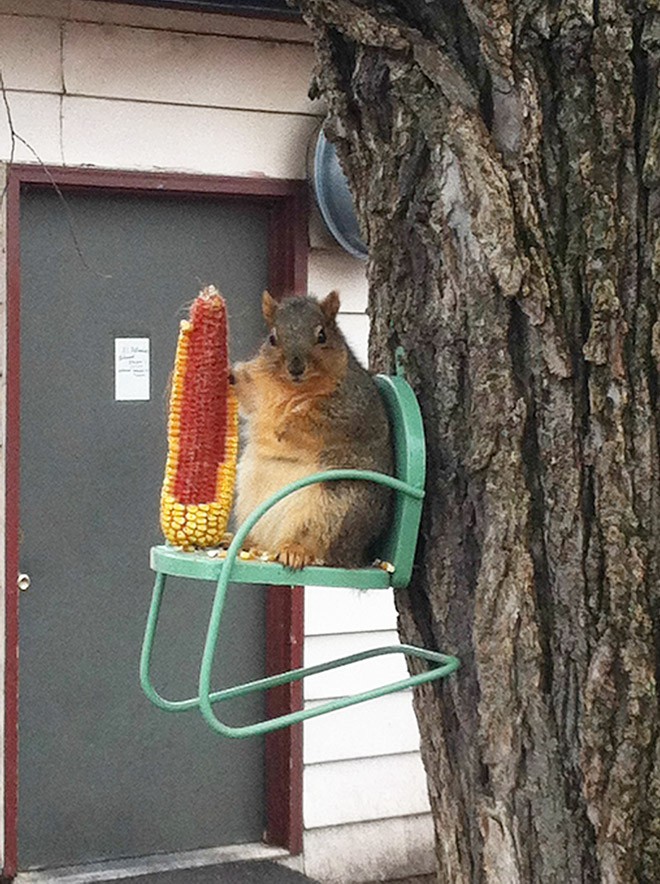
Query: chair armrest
316	478
205	694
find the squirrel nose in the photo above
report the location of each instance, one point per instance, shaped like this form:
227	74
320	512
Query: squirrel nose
296	367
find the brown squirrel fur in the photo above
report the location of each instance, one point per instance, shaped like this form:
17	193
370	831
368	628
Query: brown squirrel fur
310	406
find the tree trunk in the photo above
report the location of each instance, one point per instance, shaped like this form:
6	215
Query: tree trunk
505	161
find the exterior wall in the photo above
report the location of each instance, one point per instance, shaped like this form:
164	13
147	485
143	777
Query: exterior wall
122	87
365	802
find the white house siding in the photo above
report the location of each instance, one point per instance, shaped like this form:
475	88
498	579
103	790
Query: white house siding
124	87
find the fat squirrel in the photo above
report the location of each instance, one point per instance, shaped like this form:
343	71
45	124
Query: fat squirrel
309	406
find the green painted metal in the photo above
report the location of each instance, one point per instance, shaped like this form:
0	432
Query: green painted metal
443	665
410	466
199	566
399	549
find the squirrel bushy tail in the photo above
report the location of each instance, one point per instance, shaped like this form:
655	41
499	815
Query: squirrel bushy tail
309	405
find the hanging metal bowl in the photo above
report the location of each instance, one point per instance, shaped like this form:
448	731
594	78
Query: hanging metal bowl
334	199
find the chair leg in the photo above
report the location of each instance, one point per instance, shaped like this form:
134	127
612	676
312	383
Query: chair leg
444	665
147	648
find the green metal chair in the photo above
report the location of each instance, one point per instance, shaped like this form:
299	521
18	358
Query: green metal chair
398	549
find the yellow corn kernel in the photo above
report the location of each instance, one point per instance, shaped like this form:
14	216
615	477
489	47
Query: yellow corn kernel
200	470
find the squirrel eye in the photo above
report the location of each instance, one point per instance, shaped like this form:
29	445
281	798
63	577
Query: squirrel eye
320	336
272	339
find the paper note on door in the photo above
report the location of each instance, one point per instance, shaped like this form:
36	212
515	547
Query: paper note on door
131	369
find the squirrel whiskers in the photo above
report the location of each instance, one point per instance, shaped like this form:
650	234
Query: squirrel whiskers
310	406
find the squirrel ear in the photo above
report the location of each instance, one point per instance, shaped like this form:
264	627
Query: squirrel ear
330	305
268	307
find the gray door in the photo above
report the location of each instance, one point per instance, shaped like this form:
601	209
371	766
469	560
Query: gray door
102	773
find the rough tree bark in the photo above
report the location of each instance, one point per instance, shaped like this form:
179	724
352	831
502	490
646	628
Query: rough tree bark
505	160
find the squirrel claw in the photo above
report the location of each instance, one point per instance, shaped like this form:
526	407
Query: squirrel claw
295	556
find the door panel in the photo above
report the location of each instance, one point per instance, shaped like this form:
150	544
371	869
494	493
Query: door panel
102	773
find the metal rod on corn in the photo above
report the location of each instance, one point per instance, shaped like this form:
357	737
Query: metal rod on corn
200	472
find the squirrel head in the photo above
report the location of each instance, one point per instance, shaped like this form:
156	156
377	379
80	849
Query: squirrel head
304	343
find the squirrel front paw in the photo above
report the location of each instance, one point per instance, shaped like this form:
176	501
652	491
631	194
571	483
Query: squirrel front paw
240	377
296	556
239	373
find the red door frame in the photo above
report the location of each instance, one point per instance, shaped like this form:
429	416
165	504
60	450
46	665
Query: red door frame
287	202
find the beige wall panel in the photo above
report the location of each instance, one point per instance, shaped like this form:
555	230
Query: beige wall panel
355	327
330	611
162	66
357	677
180	20
364	789
374	851
36	119
30	53
166	19
136	135
338	270
44	8
385	726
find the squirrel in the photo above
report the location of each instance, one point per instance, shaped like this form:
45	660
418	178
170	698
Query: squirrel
309	406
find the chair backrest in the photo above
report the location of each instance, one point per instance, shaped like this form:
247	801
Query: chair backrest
410	466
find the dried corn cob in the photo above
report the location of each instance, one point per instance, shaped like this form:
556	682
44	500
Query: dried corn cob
202	430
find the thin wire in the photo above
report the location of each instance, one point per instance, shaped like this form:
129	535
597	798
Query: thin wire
17	138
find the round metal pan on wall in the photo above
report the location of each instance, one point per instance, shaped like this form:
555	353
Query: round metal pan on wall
334	199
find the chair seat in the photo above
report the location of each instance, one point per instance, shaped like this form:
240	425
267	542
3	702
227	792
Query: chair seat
200	566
